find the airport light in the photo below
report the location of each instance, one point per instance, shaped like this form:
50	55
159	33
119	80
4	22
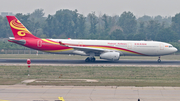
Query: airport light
29	62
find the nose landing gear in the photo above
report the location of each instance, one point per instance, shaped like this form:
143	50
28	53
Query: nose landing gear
159	60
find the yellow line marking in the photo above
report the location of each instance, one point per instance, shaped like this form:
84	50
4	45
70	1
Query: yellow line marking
4	100
61	98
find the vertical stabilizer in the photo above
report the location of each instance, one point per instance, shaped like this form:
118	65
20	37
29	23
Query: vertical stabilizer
18	29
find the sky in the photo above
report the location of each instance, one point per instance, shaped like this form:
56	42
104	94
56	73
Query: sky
109	7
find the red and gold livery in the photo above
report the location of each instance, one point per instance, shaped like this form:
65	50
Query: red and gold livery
105	49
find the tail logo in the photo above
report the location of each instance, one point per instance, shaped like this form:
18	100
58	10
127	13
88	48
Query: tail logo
21	30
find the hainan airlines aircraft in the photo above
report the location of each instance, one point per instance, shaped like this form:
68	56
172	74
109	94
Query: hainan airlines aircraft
105	49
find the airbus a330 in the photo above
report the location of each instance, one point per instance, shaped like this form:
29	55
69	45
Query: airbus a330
105	49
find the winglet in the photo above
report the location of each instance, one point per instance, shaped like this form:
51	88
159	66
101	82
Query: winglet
61	43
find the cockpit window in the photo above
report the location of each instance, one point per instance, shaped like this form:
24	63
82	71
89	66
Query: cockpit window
170	46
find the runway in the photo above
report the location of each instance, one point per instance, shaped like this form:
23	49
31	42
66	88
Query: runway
98	62
87	93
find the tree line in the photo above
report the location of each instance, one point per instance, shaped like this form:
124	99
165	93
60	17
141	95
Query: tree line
67	23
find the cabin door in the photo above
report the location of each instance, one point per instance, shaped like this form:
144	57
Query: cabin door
161	46
129	45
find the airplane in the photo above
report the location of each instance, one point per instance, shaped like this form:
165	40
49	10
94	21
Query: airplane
105	49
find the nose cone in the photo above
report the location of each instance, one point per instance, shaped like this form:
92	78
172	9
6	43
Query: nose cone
175	49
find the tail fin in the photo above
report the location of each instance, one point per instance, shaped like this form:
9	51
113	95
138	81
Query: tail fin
18	29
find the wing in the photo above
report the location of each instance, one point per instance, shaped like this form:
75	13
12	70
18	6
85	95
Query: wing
86	49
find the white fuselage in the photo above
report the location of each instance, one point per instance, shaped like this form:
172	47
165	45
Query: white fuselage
125	48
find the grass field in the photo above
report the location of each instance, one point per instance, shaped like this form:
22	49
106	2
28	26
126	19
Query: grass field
75	57
106	76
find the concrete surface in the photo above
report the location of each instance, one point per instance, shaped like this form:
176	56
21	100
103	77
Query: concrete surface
88	93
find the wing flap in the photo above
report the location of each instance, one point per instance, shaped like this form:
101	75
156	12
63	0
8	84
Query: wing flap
89	50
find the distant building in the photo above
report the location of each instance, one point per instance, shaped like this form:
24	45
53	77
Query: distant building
3	14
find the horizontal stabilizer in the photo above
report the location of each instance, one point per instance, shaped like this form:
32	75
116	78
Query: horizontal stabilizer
21	42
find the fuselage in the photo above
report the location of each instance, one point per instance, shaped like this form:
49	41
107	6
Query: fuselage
125	48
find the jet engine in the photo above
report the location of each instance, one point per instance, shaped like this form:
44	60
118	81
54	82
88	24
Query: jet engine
110	56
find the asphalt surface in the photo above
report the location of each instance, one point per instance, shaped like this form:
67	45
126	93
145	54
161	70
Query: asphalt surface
97	62
87	93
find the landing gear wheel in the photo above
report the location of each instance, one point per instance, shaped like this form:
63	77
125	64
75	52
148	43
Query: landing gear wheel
87	59
93	59
159	60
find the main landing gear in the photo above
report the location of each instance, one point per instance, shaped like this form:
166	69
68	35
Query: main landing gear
90	59
159	60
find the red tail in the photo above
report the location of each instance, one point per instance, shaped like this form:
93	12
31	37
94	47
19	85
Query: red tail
18	29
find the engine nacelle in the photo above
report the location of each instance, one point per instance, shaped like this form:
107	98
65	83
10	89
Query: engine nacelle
110	56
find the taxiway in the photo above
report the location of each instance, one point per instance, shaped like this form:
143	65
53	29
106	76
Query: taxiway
88	93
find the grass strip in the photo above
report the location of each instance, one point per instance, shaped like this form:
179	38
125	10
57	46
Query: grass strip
106	76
